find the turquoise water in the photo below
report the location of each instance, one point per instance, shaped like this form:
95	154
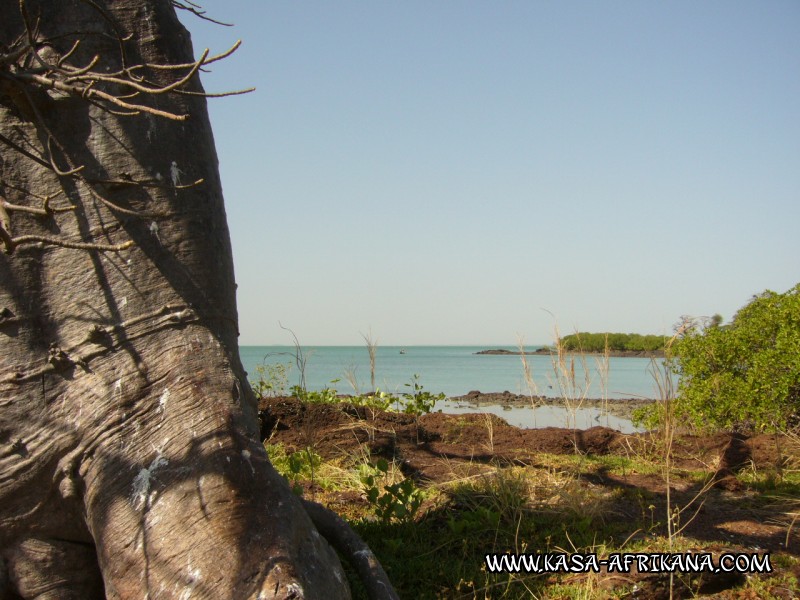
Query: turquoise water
454	370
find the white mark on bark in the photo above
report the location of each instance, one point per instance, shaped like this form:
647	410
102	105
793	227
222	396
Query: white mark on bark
154	230
118	386
140	494
192	578
295	590
163	399
124	302
175	173
246	456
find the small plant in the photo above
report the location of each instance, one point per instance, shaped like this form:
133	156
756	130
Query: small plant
295	466
418	401
396	502
377	401
327	395
271	380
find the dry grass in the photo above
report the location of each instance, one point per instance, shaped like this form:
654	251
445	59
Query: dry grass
570	387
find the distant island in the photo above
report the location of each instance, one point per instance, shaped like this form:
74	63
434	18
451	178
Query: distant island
496	351
619	344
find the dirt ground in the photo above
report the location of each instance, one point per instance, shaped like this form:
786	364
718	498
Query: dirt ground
433	447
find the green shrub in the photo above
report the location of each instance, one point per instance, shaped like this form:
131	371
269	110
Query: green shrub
398	501
747	373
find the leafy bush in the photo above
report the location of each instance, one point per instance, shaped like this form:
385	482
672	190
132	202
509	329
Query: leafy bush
271	380
419	401
747	373
398	501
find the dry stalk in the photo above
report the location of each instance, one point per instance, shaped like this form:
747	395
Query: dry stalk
351	378
372	348
300	357
570	389
533	389
489	423
603	368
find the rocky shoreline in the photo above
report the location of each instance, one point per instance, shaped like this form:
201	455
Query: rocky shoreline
622	408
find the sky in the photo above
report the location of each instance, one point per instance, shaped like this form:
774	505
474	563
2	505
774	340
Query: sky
475	172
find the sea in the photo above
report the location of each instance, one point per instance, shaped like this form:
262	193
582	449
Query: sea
457	370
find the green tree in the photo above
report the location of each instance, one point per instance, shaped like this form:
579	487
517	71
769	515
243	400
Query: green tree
747	373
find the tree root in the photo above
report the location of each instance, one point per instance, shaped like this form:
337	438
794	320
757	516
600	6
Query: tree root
342	537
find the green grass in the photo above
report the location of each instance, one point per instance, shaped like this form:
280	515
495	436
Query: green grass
547	507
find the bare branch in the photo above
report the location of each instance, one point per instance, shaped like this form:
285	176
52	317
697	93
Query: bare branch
24	152
45	211
196	10
58	171
69	53
5	237
215	94
13	56
213	59
89	92
81	71
148	183
50	241
141	88
76	171
32	62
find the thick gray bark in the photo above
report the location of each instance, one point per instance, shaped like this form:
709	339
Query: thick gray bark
129	460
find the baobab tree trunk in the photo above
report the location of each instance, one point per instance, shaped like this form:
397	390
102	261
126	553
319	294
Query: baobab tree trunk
129	460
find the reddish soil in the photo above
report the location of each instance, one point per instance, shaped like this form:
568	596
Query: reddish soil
434	447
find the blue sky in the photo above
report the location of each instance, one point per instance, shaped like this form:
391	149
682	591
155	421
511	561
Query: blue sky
449	172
